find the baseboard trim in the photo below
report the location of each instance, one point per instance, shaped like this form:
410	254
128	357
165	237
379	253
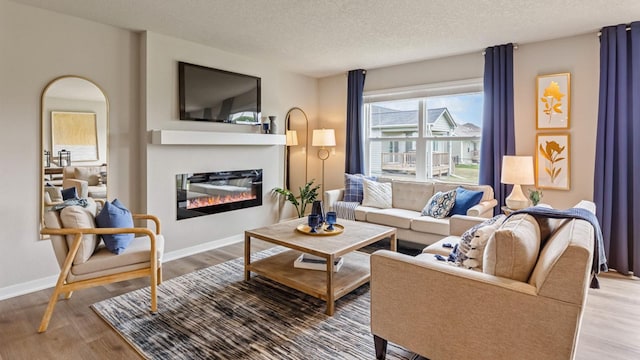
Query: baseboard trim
50	281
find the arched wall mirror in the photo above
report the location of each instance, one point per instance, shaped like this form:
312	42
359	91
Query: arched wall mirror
297	132
74	138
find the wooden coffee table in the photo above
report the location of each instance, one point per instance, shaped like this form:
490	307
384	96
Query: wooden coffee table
325	285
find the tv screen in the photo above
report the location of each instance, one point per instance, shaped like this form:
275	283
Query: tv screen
208	94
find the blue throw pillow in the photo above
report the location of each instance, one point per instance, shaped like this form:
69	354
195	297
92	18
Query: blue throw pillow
115	215
69	193
465	200
353	187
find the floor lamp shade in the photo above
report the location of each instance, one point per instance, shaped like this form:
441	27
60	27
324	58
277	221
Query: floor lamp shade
517	170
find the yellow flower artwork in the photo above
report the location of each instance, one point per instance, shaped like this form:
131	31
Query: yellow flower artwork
553	100
552	161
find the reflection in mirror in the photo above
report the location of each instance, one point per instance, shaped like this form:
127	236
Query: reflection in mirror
296	155
75	123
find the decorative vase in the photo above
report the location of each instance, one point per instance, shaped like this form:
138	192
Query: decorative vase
273	126
316	209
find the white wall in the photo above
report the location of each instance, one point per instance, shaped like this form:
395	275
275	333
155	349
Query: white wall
577	55
280	91
38	46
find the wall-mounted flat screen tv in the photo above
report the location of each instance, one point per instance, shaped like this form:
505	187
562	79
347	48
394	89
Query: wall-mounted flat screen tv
208	94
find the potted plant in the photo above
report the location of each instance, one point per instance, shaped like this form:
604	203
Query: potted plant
535	195
308	193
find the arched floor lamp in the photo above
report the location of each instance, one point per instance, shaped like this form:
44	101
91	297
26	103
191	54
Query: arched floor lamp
323	138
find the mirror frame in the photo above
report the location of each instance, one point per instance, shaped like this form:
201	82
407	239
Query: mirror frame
42	135
286	148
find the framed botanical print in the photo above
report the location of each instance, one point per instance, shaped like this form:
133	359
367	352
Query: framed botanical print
553	100
552	161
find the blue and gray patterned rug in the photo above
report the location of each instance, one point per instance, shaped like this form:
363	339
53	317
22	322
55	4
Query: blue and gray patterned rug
214	314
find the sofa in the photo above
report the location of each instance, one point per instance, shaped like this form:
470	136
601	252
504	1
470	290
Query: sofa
408	200
451	312
88	181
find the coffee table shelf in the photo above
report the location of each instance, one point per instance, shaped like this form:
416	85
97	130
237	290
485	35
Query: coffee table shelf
279	268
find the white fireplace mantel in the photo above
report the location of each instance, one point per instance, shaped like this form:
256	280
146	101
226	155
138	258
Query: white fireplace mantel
190	137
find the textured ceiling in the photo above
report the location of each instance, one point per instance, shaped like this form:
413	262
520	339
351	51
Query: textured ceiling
325	37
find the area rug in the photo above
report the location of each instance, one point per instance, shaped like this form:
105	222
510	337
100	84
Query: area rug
214	314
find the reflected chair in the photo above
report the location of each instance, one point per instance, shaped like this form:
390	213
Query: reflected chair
84	264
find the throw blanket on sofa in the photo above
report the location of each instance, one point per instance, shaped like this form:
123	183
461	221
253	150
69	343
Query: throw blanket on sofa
346	209
599	257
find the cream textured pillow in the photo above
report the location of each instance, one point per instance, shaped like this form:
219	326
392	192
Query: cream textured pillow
376	194
513	249
77	217
440	204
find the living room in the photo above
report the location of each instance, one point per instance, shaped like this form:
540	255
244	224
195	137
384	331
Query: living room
138	72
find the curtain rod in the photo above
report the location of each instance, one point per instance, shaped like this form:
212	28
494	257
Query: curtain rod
515	47
600	32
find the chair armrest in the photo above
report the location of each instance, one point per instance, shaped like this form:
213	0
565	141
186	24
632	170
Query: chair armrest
148	217
483	209
421	305
331	196
458	224
82	186
99	231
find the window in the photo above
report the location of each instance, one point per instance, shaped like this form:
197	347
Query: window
425	132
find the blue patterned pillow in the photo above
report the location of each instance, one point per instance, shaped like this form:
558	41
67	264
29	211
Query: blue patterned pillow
440	204
353	187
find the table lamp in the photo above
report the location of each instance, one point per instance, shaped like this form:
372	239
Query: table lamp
323	138
517	170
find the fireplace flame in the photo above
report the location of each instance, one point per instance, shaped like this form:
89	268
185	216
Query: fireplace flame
218	200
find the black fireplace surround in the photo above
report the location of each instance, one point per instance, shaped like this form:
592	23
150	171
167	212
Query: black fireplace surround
200	194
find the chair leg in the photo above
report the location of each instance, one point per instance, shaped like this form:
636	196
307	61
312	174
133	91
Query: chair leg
381	347
44	324
67	295
160	275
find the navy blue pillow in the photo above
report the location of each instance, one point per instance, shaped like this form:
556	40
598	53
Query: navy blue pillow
115	215
465	200
69	193
353	187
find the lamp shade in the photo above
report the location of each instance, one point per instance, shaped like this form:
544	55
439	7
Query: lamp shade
292	137
323	137
517	170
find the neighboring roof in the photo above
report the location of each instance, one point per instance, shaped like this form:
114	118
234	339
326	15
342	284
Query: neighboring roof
468	129
382	116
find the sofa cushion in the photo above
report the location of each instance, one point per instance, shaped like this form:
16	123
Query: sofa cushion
487	191
376	194
398	218
513	249
115	215
443	246
91	174
411	195
470	251
465	199
428	224
353	191
440	204
78	217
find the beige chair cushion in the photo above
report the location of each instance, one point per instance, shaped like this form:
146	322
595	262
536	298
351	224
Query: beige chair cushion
376	194
438	246
513	249
77	217
91	174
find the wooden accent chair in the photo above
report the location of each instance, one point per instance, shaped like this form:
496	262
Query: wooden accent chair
84	264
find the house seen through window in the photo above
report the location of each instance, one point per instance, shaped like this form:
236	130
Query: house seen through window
436	135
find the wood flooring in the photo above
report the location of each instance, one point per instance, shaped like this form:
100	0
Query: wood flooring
610	327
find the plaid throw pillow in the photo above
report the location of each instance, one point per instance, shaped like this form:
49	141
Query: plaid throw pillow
353	187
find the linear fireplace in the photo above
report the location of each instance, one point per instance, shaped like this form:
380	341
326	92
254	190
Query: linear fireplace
208	193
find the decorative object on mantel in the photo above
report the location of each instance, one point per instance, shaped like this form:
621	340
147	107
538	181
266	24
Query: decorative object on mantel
273	126
64	158
266	125
308	193
323	138
553	101
517	170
